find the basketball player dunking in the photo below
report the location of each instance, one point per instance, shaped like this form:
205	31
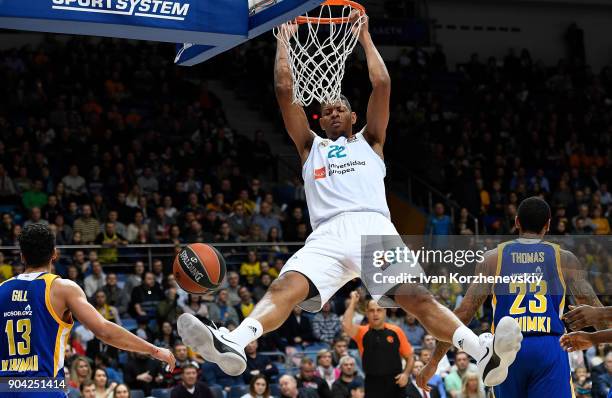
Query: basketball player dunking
38	310
344	183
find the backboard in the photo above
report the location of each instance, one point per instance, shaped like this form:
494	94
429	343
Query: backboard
263	16
208	26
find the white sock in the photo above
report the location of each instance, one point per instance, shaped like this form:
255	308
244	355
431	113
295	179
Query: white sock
465	340
249	330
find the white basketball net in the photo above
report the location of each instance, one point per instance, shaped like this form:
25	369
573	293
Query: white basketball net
318	52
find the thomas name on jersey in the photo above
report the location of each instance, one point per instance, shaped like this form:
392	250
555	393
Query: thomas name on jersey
527	258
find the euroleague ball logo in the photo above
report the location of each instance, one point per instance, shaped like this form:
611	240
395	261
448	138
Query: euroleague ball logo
190	265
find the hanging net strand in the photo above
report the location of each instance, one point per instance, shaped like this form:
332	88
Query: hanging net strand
318	47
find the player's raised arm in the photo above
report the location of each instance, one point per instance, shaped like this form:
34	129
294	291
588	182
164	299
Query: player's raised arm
474	298
75	301
377	117
575	276
294	116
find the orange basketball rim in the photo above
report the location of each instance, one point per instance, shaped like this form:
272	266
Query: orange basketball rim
340	20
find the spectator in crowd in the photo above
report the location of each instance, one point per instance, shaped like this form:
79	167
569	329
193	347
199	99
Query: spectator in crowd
7	188
603	383
251	268
135	278
88	389
221	312
35	197
168	308
87	226
471	386
439	223
325	369
190	387
80	372
116	296
262	287
307	378
195	307
110	240
166	336
109	312
120	228
145	298
265	219
258	388
103	361
326	324
412	329
348	376
137	224
96	280
6	270
122	391
158	271
382	346
233	282
246	305
104	389
75	184
582	383
257	365
289	389
63	232
239	221
173	377
297	329
414	391
35	217
453	381
142	373
357	391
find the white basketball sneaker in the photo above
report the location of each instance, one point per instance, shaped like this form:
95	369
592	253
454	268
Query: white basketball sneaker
500	351
212	344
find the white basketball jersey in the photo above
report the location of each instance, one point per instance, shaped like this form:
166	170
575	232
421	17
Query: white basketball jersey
343	176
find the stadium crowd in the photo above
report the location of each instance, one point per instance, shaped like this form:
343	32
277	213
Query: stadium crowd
111	144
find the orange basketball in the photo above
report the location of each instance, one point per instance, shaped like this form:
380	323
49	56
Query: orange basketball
199	268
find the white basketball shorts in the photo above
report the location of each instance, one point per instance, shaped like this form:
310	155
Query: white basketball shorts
332	254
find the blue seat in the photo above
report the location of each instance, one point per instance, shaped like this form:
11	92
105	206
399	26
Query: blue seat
275	390
217	391
318	346
129	323
238	391
137	394
122	357
160	393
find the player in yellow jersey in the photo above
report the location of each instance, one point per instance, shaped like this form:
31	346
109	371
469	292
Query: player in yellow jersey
37	310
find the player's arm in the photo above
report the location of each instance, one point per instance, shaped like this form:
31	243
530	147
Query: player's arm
347	319
75	301
377	117
575	276
474	298
294	116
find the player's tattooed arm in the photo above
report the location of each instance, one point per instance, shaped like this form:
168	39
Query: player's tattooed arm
575	275
474	298
294	116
